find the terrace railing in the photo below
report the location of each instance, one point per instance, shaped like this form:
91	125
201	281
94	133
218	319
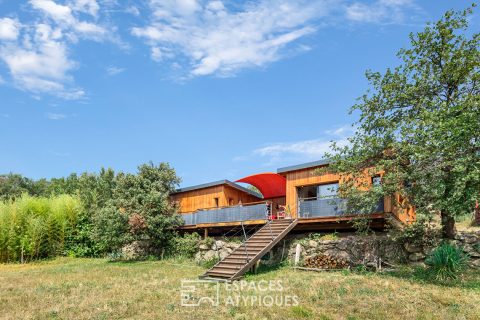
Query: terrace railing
248	211
315	207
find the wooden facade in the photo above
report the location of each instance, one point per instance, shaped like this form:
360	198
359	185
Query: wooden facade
310	176
212	196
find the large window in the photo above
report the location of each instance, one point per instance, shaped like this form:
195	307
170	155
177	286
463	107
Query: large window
318	192
308	192
328	191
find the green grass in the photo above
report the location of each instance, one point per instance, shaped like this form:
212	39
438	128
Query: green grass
69	288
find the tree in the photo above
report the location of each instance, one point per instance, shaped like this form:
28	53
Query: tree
419	125
13	185
140	209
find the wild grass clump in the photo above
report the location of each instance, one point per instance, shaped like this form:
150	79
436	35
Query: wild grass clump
446	262
33	228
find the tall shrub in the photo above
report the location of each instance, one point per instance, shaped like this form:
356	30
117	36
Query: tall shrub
34	228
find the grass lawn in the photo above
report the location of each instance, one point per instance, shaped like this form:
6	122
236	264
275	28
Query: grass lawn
68	288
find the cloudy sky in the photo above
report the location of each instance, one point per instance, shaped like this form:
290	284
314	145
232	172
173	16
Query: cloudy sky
220	89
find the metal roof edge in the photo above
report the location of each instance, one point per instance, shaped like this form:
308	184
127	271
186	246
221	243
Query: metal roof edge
218	183
305	165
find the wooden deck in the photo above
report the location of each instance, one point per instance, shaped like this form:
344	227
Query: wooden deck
378	222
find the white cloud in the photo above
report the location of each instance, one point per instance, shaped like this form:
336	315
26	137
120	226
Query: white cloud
112	70
308	148
216	40
9	29
63	15
133	11
56	116
38	53
41	64
381	11
282	153
87	6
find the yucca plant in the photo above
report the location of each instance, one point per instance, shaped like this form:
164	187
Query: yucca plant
446	262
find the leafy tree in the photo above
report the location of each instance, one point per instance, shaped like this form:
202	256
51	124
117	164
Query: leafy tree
419	126
14	185
95	192
140	209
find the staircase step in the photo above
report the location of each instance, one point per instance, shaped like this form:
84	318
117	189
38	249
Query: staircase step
243	258
260	241
228	265
219	275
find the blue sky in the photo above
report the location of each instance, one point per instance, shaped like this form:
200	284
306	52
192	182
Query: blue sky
220	89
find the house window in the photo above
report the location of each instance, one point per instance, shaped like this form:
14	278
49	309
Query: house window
376	181
307	193
230	201
323	191
328	191
216	202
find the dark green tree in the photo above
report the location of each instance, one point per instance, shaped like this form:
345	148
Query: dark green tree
140	209
420	125
13	185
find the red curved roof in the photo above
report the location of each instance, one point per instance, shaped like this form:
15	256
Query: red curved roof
271	185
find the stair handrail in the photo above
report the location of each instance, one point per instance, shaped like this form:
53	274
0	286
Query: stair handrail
245	242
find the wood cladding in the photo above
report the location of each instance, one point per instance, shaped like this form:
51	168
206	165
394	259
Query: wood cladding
309	176
211	197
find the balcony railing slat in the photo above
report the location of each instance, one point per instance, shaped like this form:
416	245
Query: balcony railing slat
226	214
313	208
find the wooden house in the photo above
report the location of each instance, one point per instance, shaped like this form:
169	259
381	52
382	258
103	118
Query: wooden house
300	192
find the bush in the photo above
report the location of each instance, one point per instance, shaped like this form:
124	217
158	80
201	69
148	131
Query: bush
111	230
186	245
446	262
420	233
34	228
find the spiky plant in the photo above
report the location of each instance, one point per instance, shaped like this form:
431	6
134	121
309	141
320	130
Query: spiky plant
446	262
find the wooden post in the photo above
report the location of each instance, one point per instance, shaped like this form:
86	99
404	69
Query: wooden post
205	234
298	249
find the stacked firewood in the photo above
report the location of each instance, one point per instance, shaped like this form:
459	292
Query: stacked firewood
323	261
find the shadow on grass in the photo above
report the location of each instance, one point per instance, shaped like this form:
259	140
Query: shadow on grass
468	280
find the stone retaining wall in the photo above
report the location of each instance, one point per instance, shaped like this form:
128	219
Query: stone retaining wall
357	250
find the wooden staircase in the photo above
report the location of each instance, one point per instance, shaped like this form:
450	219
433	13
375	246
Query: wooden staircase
235	265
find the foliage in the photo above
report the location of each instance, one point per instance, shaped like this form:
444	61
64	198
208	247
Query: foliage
116	208
186	245
318	237
446	262
208	241
95	192
422	233
110	229
146	195
361	224
418	127
13	186
208	264
35	227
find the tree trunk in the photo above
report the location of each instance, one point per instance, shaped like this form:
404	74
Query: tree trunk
448	225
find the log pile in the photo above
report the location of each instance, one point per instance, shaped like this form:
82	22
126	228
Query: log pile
323	261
